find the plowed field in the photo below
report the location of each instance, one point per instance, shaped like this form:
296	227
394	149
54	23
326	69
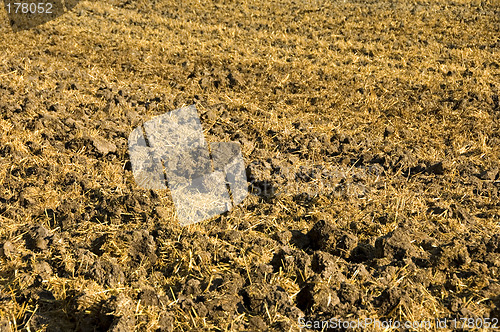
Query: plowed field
370	132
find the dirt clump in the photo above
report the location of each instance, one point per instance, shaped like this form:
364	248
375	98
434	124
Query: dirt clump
38	238
106	272
396	245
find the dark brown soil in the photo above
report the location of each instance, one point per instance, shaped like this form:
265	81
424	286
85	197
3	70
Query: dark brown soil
370	131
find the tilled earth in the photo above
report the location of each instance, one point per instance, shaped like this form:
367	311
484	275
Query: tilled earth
371	135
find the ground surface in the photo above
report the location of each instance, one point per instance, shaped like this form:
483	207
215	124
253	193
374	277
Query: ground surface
371	135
